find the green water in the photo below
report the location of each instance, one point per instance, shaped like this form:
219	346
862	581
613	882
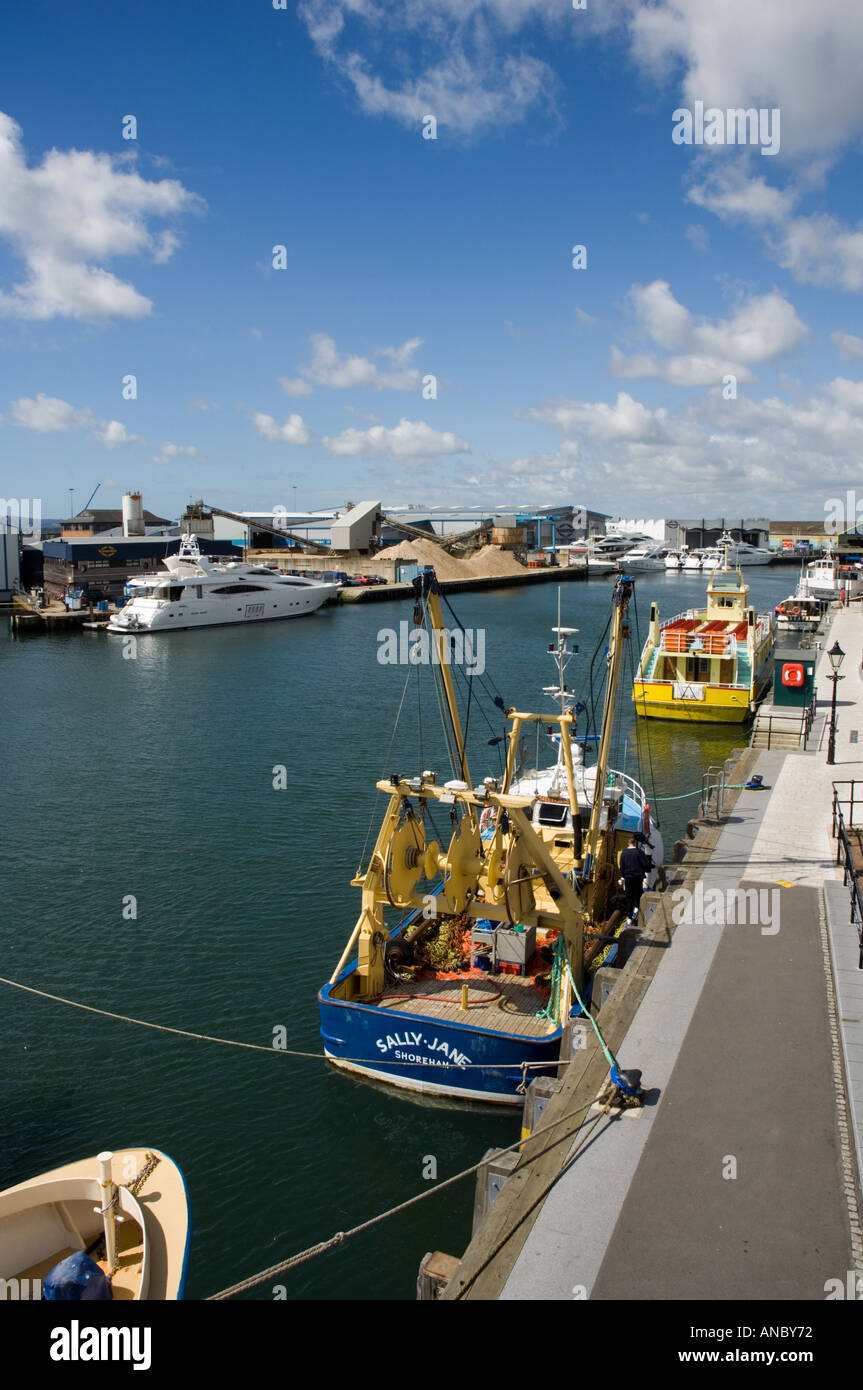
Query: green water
153	777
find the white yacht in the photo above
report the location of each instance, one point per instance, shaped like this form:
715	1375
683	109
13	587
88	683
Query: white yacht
691	560
741	552
199	591
607	550
650	555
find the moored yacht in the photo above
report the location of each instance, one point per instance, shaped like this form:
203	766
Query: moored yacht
741	552
198	591
647	556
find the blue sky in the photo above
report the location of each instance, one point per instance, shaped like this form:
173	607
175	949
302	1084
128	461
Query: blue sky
407	257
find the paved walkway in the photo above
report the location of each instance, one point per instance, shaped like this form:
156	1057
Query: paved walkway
737	1179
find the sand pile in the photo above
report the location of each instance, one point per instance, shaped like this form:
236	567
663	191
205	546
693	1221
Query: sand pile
485	563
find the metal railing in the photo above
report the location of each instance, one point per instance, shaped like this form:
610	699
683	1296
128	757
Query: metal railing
713	788
802	730
677	642
845	855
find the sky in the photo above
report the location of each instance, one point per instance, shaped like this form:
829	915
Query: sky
298	254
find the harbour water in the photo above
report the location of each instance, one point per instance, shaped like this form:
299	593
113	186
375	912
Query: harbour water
153	779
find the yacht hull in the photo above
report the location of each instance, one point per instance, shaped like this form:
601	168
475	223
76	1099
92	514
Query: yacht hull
211	613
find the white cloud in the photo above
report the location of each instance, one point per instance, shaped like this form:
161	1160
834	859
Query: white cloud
714	450
626	419
169	452
328	368
201	403
48	415
453	59
69	215
761	329
849	346
802	56
584	317
699	237
112	433
409	439
293	431
817	249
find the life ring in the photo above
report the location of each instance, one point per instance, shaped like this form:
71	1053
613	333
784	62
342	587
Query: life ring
645	820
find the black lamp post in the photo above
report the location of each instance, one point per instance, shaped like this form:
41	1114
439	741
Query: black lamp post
836	657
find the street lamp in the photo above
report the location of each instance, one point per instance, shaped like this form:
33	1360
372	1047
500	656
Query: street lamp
836	656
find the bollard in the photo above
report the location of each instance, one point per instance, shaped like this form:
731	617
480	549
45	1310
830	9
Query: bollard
435	1272
604	981
539	1093
490	1178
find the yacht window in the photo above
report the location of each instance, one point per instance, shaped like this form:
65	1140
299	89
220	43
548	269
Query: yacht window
239	589
170	592
550	814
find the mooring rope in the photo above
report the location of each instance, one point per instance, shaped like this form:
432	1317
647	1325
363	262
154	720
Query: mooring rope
259	1047
341	1236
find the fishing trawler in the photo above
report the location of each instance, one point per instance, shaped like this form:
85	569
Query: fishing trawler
710	665
828	578
496	926
89	1230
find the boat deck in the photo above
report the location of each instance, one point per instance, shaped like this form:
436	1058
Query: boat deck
502	1003
126	1277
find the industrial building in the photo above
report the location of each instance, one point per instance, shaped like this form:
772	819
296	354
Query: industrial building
100	565
10	572
697	532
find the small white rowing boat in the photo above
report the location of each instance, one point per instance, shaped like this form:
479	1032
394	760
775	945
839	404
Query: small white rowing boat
114	1226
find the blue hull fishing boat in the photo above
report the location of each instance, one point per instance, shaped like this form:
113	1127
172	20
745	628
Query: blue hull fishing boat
474	989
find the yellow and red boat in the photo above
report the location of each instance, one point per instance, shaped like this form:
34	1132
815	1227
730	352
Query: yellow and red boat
710	665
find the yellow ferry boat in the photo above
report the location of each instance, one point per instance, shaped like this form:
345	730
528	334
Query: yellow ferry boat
710	665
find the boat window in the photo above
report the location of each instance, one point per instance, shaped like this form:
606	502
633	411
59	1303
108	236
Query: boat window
169	592
239	589
551	814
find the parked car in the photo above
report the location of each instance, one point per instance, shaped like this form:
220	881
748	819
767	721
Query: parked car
370	579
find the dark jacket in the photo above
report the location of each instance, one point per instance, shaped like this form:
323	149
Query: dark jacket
634	863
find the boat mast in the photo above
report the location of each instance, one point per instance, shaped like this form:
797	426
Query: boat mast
427	587
620	630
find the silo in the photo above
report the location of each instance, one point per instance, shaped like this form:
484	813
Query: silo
133	514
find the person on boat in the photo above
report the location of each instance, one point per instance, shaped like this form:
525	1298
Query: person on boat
634	864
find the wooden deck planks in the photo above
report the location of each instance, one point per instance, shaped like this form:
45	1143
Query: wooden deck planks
514	1012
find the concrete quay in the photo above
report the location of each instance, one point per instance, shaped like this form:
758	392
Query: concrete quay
740	1179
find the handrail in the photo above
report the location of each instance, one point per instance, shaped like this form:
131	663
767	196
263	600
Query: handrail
845	857
713	784
698	643
788	717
